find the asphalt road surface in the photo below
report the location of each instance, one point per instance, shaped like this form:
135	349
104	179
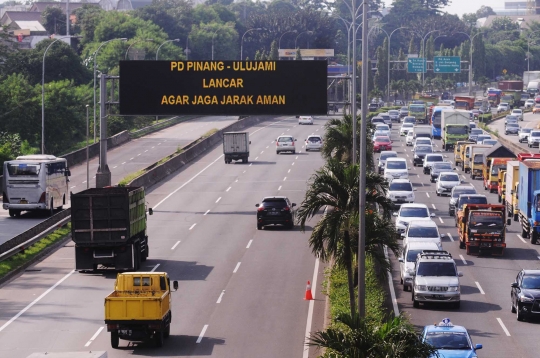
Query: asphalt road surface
529	121
241	290
485	285
123	160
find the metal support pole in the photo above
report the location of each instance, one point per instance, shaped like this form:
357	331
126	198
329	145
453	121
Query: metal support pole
363	153
103	176
87	150
353	83
67	18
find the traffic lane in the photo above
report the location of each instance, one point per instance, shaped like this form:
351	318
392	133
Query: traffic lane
123	160
529	121
211	239
471	294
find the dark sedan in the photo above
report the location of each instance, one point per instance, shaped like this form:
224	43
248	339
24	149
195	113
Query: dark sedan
475	132
525	294
275	210
511	128
420	152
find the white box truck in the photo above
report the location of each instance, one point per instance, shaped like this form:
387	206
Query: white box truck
236	146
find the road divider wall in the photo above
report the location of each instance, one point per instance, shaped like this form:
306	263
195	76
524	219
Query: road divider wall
515	148
168	165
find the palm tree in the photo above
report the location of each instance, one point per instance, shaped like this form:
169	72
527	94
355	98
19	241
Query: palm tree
338	141
361	338
335	187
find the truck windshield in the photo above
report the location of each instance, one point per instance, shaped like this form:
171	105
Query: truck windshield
457	130
417	109
419	231
478	159
486	219
436	269
495	169
23	169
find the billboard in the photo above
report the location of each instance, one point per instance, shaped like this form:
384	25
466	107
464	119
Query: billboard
223	87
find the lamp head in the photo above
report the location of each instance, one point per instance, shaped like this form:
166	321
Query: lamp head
176	40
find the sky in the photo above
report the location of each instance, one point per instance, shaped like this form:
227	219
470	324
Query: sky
460	7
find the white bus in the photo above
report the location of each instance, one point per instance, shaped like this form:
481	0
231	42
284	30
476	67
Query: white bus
35	182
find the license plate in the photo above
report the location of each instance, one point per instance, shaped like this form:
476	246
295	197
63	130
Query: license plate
23	202
273	213
400	201
437	297
485	244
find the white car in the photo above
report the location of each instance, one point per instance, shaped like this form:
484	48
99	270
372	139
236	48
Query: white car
410	138
503	107
534	139
400	191
383	129
518	113
285	143
385	154
446	182
523	134
396	168
313	142
305	120
529	103
405	127
408	213
429	159
422	141
423	230
407	260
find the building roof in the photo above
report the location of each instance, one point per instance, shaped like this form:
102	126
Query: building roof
12	16
526	19
33	26
42	5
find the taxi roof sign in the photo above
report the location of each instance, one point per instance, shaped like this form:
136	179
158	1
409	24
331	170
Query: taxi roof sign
445	323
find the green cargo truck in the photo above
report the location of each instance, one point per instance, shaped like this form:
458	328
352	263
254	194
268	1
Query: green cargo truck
512	97
108	226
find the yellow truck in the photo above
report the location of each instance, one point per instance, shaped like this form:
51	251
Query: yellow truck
476	160
458	152
510	195
501	185
139	308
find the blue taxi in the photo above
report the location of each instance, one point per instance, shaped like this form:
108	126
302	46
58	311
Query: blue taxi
449	340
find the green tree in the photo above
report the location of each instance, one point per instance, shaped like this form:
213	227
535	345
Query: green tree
298	55
484	11
54	20
479	57
225	40
175	17
504	23
274	53
338	141
470	19
88	16
361	338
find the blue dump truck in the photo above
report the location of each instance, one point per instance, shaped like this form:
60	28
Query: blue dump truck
529	200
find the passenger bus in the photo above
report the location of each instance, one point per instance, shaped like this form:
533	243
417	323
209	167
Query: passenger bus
35	182
435	120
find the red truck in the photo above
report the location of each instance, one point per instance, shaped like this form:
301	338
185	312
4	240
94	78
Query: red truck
464	102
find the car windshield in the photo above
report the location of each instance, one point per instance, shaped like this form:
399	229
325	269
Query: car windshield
475	131
314	139
285	139
412	254
489	142
414	212
471	200
434	158
511	118
442	166
23	169
418	231
387	155
385	116
535	134
457	192
404	108
380	133
423	141
449	177
457	130
448	340
513	125
436	269
424	149
400	186
407	125
482	137
382	127
393	113
409	120
526	130
396	164
382	140
531	282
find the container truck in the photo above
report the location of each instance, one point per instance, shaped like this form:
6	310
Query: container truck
482	228
139	308
510	85
236	146
422	131
454	127
494	96
531	76
529	199
533	88
108	226
464	102
511	97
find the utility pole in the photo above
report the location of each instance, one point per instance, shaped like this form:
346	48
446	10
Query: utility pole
103	176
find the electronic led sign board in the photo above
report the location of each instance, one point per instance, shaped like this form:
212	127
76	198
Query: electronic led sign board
223	87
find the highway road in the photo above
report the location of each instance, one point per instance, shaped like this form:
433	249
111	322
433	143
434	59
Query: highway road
529	121
241	290
123	160
485	285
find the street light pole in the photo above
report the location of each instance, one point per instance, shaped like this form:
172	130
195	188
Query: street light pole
279	42
159	47
87	150
242	42
135	42
528	48
424	55
95	70
470	57
43	94
388	76
308	32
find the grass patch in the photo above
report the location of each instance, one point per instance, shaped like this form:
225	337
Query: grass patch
336	287
130	177
209	133
22	258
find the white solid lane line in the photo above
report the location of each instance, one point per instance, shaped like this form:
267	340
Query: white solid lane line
94	336
174	247
450	236
35	301
311	306
521	238
155	268
442	222
503	326
192	226
217	201
207	211
237	267
220	296
249	244
229	188
463	259
202	333
479	287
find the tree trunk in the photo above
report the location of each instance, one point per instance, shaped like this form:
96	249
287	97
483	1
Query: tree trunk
348	264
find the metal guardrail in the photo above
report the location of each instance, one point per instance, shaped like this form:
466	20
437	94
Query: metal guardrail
34	234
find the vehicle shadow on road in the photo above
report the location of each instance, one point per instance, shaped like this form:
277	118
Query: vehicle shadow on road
176	345
284	228
515	253
182	270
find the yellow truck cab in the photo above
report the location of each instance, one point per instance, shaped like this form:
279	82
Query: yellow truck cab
458	152
476	158
501	188
465	155
139	308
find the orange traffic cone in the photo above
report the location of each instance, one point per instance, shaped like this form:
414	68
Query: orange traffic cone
308	296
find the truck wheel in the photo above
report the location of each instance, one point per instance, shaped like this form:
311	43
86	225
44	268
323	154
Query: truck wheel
461	244
12	213
524	233
534	237
516	217
500	199
115	339
158	339
167	332
51	209
415	303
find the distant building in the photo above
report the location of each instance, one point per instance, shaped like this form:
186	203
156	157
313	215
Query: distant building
523	20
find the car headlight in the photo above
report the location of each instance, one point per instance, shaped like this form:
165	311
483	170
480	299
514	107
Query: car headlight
526	299
410	271
420	288
410	196
453	288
